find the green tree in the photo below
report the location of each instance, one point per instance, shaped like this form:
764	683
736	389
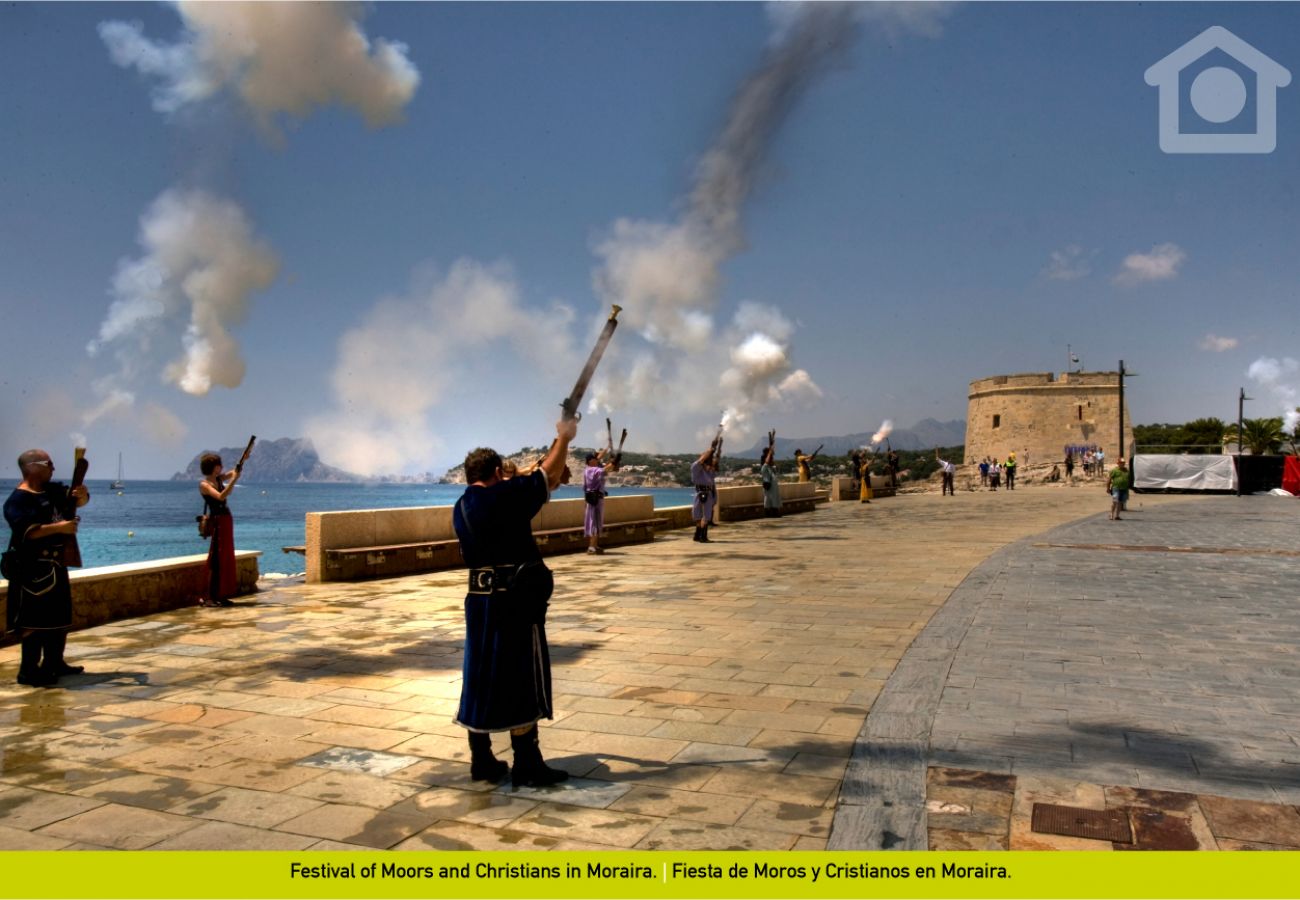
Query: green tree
1203	435
1259	436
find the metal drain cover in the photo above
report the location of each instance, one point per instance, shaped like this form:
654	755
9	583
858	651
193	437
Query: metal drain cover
1072	821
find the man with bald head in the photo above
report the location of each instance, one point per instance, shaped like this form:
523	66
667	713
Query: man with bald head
40	597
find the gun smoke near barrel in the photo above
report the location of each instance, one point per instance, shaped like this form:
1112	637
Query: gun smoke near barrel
668	275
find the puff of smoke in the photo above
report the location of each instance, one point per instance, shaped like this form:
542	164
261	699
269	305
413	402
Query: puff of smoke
396	366
886	428
281	58
200	256
1280	377
667	276
891	17
755	373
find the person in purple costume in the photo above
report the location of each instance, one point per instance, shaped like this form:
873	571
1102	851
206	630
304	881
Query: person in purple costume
593	488
706	493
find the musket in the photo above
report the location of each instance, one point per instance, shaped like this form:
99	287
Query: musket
618	454
71	549
239	466
574	400
609	429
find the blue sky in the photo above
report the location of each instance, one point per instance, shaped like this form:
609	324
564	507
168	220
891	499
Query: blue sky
432	284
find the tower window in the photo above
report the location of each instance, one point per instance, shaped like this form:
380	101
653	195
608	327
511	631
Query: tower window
1081	412
997	421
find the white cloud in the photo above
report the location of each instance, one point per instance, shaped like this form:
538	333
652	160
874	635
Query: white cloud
279	58
1068	264
1160	264
1217	344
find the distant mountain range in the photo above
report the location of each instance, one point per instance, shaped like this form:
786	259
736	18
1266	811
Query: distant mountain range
923	435
286	459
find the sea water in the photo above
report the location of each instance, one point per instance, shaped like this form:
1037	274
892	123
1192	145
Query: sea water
155	519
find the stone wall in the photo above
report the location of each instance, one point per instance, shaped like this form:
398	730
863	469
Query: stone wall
108	593
388	527
1042	413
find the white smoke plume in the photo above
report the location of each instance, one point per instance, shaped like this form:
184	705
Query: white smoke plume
886	428
894	18
1282	379
201	261
279	58
394	369
667	276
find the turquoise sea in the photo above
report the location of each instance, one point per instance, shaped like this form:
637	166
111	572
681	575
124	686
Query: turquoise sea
155	519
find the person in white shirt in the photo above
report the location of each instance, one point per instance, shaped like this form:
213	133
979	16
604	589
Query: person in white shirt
949	470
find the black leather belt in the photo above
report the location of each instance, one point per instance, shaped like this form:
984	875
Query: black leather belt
491	579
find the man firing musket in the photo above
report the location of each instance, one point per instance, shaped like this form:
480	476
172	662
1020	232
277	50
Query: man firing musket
805	463
506	684
42	517
771	484
703	474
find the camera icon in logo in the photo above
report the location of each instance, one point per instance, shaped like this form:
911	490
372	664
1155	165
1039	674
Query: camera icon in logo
1223	78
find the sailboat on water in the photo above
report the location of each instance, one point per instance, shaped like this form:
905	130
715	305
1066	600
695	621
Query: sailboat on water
119	483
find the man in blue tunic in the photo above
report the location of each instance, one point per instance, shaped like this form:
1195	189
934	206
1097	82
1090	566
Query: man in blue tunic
40	596
507	673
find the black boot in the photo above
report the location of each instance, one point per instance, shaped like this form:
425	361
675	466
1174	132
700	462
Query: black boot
704	535
530	770
698	532
483	765
55	643
29	668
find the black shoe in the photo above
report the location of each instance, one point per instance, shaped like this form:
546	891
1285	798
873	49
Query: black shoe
483	765
39	678
530	770
63	668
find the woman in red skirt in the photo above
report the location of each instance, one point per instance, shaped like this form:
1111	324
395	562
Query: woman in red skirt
215	488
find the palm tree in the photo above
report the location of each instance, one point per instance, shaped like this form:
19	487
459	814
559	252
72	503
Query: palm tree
1260	436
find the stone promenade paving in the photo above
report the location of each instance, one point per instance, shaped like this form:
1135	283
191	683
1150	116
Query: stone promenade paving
707	697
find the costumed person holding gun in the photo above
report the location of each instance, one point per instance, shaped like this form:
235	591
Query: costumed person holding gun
218	524
703	471
593	489
864	472
506	681
42	517
771	484
805	464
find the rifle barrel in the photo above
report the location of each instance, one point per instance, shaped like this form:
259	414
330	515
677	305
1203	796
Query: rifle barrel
574	400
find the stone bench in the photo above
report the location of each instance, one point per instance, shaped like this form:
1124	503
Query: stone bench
391	560
739	512
377	543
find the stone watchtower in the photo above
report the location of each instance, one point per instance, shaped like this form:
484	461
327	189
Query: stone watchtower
1044	413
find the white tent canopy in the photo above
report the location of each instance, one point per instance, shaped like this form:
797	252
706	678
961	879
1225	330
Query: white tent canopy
1183	472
